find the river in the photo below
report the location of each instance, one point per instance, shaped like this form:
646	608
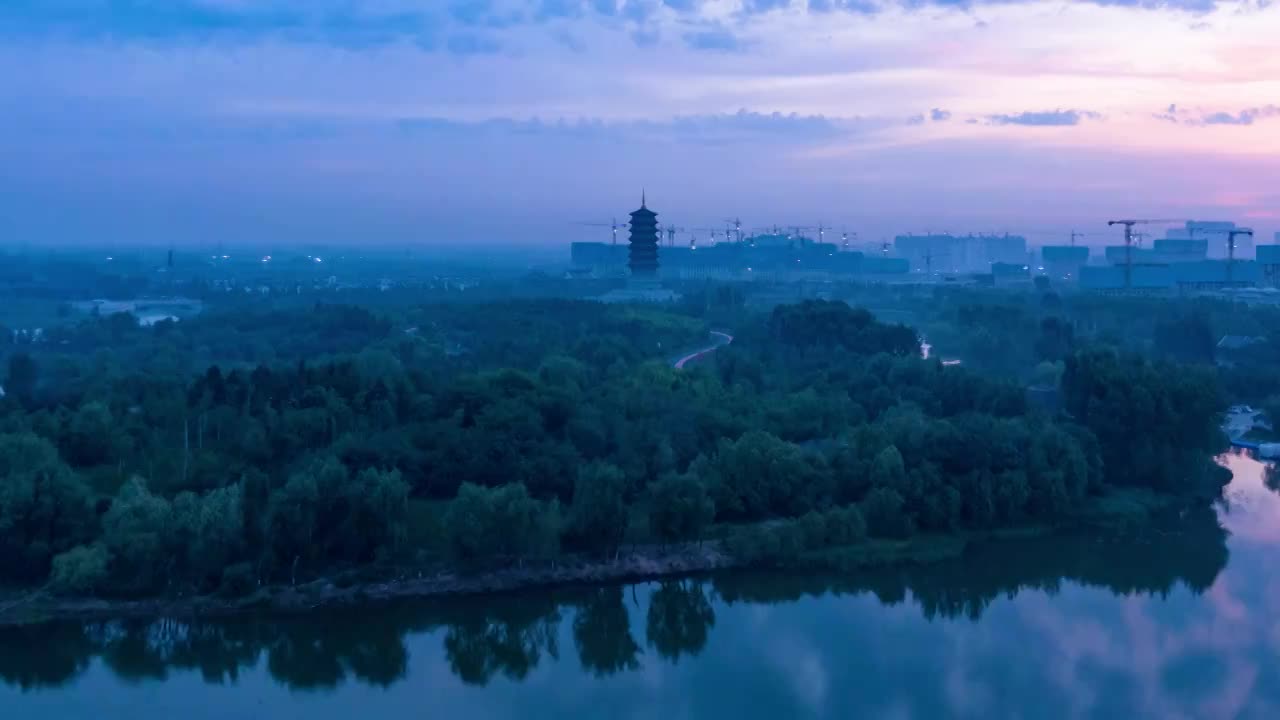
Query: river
1180	622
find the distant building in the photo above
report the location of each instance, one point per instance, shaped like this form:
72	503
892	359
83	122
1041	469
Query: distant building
642	261
1201	275
951	254
1173	250
1063	262
643	256
598	258
1269	261
1214	235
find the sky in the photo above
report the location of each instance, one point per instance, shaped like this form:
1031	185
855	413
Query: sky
494	121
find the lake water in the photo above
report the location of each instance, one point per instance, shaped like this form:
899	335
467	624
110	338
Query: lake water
1179	623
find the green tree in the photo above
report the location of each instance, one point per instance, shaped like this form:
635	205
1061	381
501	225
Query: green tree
679	508
498	523
22	378
138	532
760	475
889	470
598	517
885	517
45	508
82	570
212	531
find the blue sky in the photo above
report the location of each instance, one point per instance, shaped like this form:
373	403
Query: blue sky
478	121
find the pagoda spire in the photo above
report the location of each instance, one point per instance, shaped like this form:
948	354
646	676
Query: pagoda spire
642	198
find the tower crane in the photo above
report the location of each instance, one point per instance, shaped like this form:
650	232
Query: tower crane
710	230
797	234
613	225
737	228
671	231
1128	243
844	239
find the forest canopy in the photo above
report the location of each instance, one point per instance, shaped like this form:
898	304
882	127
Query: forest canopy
228	453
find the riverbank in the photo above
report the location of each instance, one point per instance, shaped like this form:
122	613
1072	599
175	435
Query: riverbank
1117	511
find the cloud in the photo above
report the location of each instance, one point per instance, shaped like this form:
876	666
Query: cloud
1202	118
1044	118
1244	117
713	129
715	39
424	23
939	115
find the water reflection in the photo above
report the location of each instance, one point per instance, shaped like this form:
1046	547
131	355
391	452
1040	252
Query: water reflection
509	636
1155	625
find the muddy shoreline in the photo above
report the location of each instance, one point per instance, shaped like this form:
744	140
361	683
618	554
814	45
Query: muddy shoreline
634	564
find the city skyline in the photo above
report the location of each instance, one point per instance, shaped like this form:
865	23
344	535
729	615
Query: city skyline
513	121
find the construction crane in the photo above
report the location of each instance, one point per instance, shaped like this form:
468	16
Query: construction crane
797	234
671	231
613	225
710	230
1074	236
844	239
1231	249
1128	243
737	227
822	232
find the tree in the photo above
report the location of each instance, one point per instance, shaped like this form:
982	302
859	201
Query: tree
212	531
1187	339
81	570
22	377
138	532
679	508
889	470
44	507
759	476
598	517
1156	425
883	510
91	436
498	523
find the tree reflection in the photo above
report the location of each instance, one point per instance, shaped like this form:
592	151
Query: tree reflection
1189	549
508	636
602	633
315	655
680	617
37	656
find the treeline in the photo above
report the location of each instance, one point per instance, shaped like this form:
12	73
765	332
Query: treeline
84	357
612	631
817	414
1029	335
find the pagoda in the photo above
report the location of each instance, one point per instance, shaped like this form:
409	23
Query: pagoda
643	258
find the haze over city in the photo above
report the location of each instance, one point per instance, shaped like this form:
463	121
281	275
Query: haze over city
492	121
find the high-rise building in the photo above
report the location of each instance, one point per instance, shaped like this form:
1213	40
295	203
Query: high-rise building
643	258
